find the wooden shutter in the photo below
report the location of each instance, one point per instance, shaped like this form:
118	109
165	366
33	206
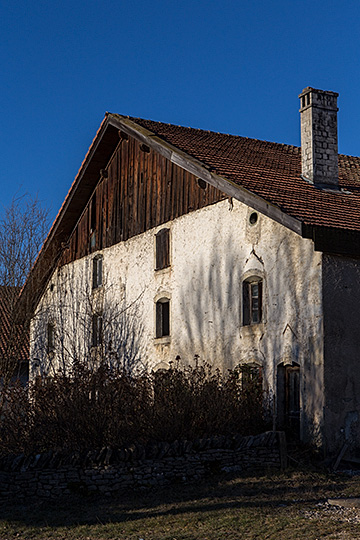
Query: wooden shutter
166	318
260	300
246	303
162	249
96	330
162	318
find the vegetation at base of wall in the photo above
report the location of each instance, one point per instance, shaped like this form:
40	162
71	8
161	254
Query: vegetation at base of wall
102	407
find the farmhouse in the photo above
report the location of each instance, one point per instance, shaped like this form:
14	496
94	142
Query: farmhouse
174	242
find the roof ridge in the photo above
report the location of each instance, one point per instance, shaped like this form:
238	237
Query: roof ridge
136	118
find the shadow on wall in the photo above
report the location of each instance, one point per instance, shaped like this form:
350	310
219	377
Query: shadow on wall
78	321
210	307
290	333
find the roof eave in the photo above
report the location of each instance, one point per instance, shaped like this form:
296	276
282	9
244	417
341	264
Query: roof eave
196	167
98	155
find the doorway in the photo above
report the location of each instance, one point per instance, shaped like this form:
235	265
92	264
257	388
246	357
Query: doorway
288	398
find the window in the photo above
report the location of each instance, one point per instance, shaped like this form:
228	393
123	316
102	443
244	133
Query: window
253	218
162	249
252	301
97	329
97	272
288	397
163	317
250	376
92	223
93	213
201	183
50	338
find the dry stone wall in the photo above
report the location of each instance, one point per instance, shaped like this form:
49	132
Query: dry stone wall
54	474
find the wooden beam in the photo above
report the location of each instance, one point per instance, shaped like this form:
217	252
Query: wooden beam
197	168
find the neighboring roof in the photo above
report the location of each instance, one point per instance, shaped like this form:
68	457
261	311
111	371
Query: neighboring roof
265	175
12	336
272	171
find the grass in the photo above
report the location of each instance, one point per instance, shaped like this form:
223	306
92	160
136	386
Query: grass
276	506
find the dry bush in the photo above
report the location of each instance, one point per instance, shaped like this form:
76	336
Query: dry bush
90	409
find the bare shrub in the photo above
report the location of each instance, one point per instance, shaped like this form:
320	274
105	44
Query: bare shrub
93	408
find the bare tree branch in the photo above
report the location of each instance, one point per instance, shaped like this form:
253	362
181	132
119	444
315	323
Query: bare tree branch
23	227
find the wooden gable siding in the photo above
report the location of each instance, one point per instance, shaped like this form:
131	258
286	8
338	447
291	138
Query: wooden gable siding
140	190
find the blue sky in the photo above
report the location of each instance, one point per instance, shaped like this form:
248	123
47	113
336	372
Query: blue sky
231	66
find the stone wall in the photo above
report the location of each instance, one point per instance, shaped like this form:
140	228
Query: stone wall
54	474
341	300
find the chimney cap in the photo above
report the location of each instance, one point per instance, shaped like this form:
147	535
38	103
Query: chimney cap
309	89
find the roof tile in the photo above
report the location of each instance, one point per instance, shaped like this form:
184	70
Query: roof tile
271	171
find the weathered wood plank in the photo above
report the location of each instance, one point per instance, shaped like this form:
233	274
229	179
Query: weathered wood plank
142	190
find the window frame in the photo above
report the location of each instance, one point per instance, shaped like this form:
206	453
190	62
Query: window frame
97	272
162	317
250	375
162	249
97	330
252	300
50	337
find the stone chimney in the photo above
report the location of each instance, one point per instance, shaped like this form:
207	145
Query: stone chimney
319	145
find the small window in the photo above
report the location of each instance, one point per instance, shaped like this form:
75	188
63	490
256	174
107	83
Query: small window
93	214
93	241
162	317
201	183
50	338
97	272
252	301
253	218
162	248
97	323
250	376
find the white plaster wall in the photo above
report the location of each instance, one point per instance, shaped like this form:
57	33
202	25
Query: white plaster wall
212	250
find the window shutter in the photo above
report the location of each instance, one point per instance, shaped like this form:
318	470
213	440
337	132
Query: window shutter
97	330
162	318
166	319
158	319
260	285
50	337
99	271
162	249
246	303
100	329
94	331
94	274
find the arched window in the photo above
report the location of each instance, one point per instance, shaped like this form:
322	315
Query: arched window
163	317
252	300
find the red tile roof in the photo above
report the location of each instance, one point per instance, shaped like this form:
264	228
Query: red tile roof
271	171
